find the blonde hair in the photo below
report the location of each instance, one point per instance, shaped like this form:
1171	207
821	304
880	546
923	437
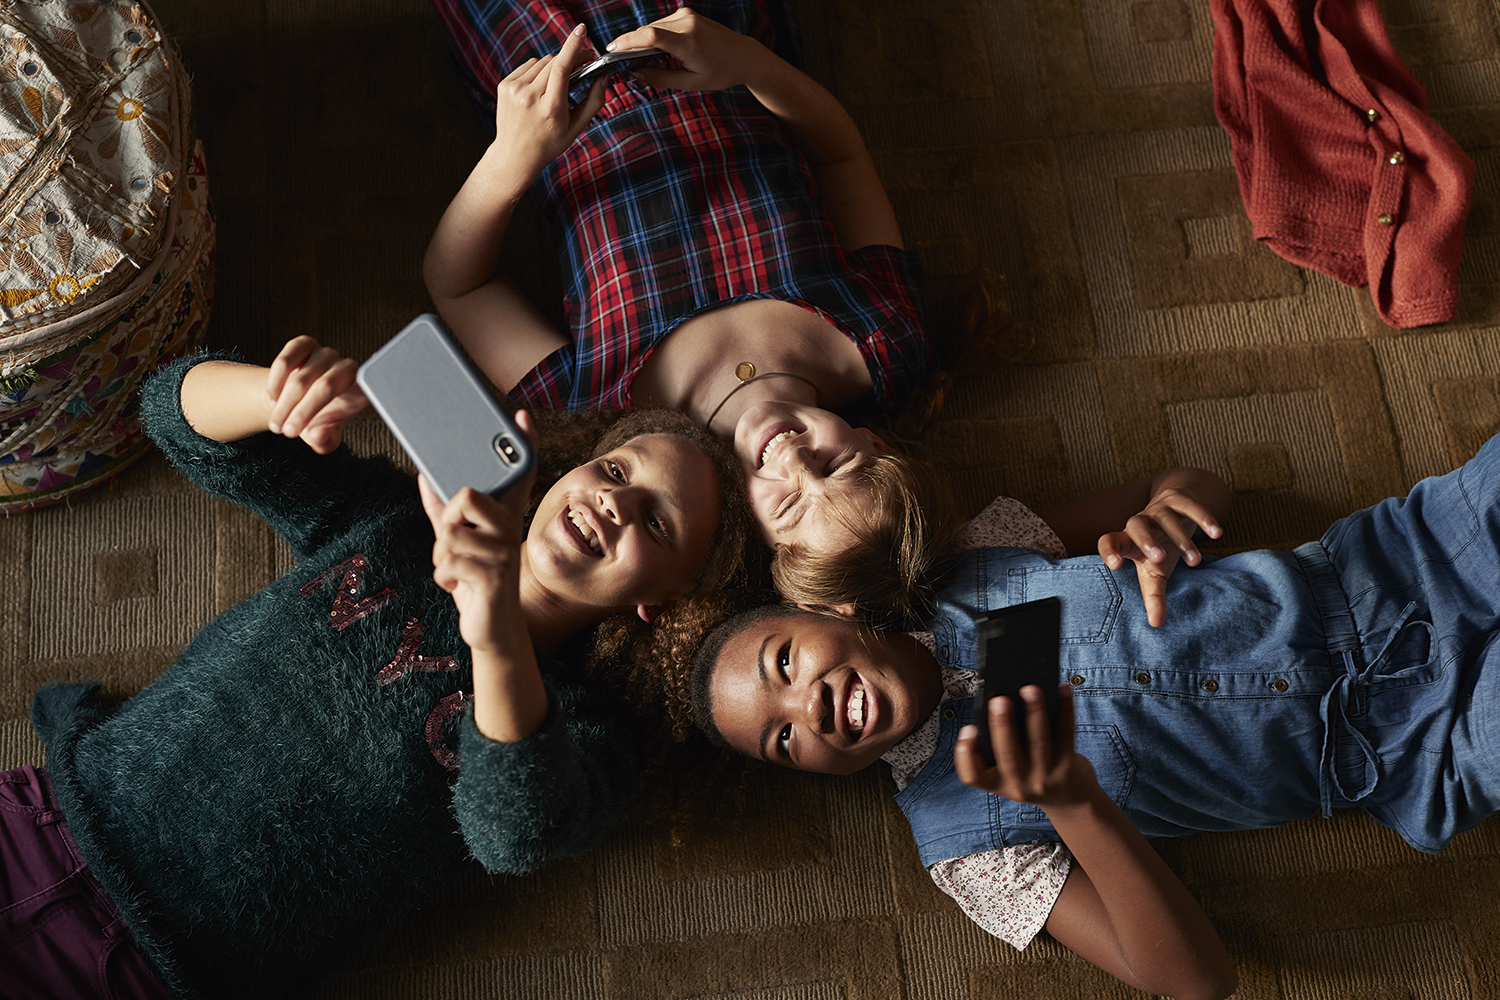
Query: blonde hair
900	514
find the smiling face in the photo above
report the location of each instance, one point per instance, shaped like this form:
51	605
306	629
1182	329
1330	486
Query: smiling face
795	456
630	528
818	694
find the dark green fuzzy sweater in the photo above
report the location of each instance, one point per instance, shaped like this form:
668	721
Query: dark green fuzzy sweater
273	803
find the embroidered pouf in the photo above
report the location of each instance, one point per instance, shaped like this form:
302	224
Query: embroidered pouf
106	237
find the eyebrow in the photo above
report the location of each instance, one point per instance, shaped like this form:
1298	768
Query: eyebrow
760	667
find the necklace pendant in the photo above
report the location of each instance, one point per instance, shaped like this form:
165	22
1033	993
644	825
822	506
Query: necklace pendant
744	371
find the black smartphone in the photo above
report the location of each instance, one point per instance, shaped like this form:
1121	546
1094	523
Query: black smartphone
1016	646
610	61
443	412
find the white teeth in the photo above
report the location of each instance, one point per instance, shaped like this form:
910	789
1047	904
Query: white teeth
857	709
774	442
584	530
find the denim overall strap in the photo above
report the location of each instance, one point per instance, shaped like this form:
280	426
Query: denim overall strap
1349	762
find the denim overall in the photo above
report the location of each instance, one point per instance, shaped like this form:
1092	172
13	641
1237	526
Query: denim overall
1284	684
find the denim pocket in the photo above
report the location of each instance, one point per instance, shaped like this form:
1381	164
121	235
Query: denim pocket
1090	596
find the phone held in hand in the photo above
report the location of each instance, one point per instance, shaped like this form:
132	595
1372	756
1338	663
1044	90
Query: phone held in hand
610	61
443	413
1017	646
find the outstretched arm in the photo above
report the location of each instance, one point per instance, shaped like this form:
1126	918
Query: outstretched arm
715	57
308	392
1159	513
504	334
1121	908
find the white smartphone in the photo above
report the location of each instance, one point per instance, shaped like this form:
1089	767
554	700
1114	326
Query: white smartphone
443	413
607	63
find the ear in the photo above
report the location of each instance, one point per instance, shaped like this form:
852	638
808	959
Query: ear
649	612
877	442
847	609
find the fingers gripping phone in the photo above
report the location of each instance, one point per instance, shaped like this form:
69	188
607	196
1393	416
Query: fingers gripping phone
1017	646
607	63
443	413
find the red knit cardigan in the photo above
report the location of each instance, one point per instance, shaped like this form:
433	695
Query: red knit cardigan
1340	166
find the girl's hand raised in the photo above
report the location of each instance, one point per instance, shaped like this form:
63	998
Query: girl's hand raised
713	57
1039	773
313	394
1156	538
533	122
476	556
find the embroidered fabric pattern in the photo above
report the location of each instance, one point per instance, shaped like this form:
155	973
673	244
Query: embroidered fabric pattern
407	658
437	728
345	611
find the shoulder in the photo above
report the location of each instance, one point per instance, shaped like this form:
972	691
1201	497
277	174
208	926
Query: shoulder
1008	522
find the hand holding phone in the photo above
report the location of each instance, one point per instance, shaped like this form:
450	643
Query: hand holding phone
443	414
608	63
1016	646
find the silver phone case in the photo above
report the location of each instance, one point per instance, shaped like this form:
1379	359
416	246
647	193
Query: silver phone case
443	413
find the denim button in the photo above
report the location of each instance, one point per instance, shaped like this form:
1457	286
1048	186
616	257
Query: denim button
1076	680
948	713
1279	685
1143	678
1210	685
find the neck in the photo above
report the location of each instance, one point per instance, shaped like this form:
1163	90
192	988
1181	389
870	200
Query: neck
551	618
777	387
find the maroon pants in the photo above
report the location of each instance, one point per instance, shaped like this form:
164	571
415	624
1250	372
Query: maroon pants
60	936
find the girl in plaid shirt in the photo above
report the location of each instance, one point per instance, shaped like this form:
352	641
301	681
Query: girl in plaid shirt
727	250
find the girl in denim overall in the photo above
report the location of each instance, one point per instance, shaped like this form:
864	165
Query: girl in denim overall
1348	672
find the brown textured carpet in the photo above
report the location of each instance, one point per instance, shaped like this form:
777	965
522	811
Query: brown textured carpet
1069	147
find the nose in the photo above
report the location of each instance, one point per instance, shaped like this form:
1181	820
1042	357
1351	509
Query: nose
819	707
620	504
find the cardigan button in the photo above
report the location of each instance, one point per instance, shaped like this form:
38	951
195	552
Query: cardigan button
1279	685
1396	159
1386	219
1372	115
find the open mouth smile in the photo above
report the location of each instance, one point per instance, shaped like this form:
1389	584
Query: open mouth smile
775	439
854	709
584	532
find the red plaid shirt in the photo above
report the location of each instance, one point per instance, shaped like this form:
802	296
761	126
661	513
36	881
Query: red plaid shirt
673	203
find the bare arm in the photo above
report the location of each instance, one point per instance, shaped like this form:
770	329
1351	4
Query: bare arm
715	57
504	334
477	559
1159	515
308	392
1121	908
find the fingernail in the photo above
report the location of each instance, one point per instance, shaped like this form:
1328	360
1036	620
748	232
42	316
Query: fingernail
275	428
968	733
1156	553
611	46
578	29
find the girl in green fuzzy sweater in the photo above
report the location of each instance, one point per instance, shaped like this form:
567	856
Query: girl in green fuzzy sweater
324	755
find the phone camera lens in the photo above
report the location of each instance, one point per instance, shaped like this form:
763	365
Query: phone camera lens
507	449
